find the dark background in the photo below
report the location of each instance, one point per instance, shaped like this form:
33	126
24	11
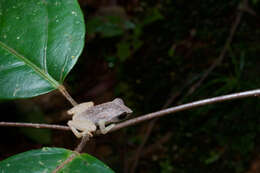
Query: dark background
150	53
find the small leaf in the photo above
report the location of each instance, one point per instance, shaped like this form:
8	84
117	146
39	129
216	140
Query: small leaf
153	15
123	50
129	25
108	26
214	156
255	2
40	41
47	159
171	51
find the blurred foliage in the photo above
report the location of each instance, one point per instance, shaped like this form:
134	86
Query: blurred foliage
157	49
169	46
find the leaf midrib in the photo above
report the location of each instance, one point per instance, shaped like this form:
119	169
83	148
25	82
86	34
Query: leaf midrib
46	39
39	71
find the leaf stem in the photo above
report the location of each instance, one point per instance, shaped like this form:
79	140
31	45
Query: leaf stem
66	94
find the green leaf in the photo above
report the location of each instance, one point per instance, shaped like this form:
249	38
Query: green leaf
123	50
108	26
153	15
47	159
214	156
40	42
171	51
254	2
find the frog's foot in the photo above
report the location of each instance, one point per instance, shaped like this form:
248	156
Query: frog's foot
103	128
86	133
76	132
80	108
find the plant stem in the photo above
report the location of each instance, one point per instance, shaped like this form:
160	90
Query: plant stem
251	93
35	125
66	94
223	52
146	117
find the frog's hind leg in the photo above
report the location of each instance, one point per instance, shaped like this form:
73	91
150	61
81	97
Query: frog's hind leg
103	128
80	108
76	132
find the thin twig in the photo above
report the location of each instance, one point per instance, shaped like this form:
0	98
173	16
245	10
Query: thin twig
35	125
157	114
141	146
223	52
183	107
251	93
65	93
157	145
84	139
148	133
71	157
82	144
77	150
246	8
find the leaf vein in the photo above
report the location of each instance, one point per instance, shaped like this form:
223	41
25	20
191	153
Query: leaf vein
40	72
46	42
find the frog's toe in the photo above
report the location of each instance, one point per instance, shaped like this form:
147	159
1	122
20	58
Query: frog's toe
107	129
87	133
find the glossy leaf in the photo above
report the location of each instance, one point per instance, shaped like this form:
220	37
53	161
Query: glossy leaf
47	159
40	41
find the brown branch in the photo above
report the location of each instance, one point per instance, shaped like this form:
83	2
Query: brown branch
149	131
141	146
69	159
84	139
155	146
77	150
82	144
35	125
183	107
157	114
246	8
251	93
66	94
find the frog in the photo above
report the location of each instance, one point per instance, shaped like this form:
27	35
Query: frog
86	117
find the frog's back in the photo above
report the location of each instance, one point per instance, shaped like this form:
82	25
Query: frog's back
104	111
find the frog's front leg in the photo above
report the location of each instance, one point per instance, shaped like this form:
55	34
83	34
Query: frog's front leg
85	126
103	128
74	130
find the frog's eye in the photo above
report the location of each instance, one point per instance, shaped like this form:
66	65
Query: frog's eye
122	116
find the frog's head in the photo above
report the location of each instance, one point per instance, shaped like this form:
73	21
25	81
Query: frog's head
122	111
